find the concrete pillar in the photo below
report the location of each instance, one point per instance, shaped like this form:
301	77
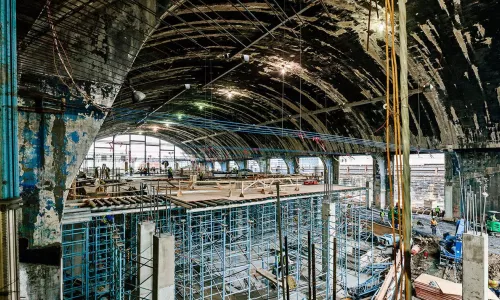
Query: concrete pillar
328	234
292	164
209	166
163	267
264	165
381	184
245	164
369	194
475	266
452	193
144	259
332	169
224	165
240	164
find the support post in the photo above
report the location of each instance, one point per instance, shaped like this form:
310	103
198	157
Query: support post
163	267
292	164
145	260
381	188
369	194
224	165
452	185
475	266
240	164
328	237
405	130
9	166
264	165
332	169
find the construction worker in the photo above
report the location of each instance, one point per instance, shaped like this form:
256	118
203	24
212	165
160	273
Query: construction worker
277	267
437	211
434	224
382	216
170	173
493	286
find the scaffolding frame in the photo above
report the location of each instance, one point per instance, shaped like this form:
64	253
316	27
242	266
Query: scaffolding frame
220	250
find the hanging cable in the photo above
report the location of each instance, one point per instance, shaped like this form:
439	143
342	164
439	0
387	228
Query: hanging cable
64	59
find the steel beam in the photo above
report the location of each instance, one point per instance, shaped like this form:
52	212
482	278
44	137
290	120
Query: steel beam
9	161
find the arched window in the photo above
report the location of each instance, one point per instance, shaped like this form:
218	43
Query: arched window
127	154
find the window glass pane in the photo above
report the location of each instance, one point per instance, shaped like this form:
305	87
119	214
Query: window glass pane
139	153
152	141
278	166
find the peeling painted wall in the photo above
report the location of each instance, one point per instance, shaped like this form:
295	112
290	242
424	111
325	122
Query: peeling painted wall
53	144
39	282
52	147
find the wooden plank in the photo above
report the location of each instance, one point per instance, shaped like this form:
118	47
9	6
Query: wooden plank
181	203
267	275
124	201
209	203
115	201
389	278
380	229
99	203
109	203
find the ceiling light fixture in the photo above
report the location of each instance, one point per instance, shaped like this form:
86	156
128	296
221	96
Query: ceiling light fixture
283	70
179	116
380	26
428	87
230	95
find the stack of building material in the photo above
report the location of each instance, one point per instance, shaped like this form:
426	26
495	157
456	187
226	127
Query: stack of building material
430	287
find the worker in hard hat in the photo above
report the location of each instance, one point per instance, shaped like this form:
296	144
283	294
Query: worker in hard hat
437	211
493	286
277	266
434	225
170	173
382	216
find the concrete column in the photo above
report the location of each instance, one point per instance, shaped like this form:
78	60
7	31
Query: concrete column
163	267
240	164
245	164
369	194
332	169
475	266
292	164
381	184
224	165
264	165
478	169
452	194
144	259
209	166
328	234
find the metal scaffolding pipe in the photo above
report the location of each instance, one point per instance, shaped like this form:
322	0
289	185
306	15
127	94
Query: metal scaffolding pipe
9	168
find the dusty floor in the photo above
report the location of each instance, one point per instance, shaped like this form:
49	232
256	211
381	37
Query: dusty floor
431	266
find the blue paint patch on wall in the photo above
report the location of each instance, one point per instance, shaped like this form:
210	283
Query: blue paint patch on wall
75	136
50	204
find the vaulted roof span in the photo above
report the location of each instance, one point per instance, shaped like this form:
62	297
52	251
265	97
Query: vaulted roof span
334	75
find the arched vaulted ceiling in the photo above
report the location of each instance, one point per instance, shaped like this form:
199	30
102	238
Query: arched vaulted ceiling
453	45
